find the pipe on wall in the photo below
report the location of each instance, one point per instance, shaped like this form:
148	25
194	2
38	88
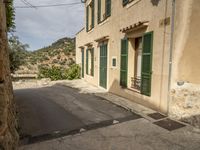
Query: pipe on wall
171	52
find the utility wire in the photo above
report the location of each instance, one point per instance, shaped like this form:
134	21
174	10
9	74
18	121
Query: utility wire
27	3
52	5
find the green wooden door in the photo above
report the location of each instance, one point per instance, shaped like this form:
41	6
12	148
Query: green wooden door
124	63
147	64
103	66
82	51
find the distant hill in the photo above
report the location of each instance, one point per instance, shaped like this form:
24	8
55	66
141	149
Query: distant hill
60	53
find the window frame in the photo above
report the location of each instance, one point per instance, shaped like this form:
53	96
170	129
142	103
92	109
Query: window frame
90	16
99	11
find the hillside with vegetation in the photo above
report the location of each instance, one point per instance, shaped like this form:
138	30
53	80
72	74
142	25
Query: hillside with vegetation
60	54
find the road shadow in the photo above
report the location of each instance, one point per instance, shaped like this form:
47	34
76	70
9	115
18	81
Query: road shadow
51	112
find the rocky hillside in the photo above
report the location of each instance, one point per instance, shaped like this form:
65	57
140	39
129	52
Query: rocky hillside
61	53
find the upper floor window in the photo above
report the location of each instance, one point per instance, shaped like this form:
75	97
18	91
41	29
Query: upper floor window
104	9
90	16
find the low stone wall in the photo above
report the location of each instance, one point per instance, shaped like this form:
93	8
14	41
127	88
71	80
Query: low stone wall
185	103
8	134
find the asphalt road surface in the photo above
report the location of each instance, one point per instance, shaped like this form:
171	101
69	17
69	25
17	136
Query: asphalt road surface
61	109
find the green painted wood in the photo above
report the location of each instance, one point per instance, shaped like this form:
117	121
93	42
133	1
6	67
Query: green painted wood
99	11
147	64
108	8
87	18
92	61
124	63
103	66
87	61
93	10
82	51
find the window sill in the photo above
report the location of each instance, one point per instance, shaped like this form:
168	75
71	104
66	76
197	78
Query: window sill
90	30
134	90
104	21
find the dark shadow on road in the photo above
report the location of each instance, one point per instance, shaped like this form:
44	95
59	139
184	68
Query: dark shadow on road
51	112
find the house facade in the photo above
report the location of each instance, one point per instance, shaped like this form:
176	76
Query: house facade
132	48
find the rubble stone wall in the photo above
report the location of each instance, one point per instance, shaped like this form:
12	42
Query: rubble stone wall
8	133
185	103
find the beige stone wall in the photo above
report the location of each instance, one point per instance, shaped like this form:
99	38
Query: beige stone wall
187	45
185	99
153	11
8	134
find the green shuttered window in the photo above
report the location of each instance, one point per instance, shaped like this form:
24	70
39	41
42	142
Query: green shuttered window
87	18
99	11
93	13
82	51
92	62
108	8
87	61
124	62
147	63
90	55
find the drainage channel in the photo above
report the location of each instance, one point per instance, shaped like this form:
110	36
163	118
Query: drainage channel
26	140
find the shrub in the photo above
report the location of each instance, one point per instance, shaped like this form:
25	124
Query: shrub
54	73
74	72
58	73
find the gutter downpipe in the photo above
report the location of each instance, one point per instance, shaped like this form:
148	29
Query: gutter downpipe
171	53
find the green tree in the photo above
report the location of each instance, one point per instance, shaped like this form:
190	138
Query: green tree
18	53
10	15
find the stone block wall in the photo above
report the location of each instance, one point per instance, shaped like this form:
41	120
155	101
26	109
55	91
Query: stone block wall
185	103
8	134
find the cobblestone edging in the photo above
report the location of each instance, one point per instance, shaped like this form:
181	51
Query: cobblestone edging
8	134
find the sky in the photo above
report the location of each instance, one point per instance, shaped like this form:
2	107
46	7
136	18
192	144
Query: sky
42	26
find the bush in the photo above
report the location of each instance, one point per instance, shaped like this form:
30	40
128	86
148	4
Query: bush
74	72
54	73
58	73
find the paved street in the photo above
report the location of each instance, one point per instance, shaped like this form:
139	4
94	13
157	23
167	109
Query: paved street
52	111
68	116
138	134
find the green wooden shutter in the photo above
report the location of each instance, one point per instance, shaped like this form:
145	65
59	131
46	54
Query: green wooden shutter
92	62
87	18
99	11
87	61
124	62
124	2
82	51
93	14
147	63
108	8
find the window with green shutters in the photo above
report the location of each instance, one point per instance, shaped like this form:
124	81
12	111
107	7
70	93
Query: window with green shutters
87	18
124	63
147	64
99	11
108	8
90	62
92	8
104	11
87	61
82	69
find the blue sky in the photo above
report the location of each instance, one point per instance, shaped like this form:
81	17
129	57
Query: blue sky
42	26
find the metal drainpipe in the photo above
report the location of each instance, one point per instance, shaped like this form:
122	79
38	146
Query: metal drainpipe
171	53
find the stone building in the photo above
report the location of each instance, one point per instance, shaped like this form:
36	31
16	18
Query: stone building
143	50
8	133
